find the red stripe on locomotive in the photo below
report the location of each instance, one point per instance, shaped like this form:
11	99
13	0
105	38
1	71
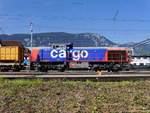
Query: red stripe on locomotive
34	55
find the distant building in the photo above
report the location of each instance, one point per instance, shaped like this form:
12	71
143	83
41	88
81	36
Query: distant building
140	61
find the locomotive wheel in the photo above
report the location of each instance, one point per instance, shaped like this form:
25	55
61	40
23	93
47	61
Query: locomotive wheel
109	70
115	70
16	68
61	70
42	69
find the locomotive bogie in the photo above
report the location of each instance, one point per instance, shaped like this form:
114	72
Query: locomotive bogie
45	66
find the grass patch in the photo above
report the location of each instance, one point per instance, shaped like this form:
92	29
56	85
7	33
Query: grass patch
74	96
20	83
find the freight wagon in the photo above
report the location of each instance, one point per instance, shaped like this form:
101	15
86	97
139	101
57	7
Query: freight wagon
64	59
11	56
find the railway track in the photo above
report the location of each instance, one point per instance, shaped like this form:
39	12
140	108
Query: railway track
49	73
74	73
79	75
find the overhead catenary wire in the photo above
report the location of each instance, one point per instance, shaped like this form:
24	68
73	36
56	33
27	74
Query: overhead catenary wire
55	17
78	28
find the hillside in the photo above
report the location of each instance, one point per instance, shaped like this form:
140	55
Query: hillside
79	40
44	39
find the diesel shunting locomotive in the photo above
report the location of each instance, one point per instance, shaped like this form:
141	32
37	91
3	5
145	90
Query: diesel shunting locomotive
67	57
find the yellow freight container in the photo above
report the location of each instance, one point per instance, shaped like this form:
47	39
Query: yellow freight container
11	54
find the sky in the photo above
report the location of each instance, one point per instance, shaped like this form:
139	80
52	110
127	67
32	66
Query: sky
121	21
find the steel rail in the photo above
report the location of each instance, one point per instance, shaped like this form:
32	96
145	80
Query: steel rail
114	77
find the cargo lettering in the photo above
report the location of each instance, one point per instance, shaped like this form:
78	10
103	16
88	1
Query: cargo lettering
75	54
58	54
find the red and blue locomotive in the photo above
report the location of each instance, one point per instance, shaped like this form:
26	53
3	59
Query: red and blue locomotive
67	57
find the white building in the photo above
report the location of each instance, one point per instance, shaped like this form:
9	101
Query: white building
140	61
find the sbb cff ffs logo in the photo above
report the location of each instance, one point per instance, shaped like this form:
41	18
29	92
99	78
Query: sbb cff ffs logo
75	54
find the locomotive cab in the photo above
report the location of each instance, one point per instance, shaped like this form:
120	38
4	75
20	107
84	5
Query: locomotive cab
118	59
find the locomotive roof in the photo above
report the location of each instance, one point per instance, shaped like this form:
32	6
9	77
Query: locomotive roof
84	47
100	47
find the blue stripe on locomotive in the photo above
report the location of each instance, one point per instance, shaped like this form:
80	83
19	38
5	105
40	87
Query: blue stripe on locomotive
52	55
87	54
